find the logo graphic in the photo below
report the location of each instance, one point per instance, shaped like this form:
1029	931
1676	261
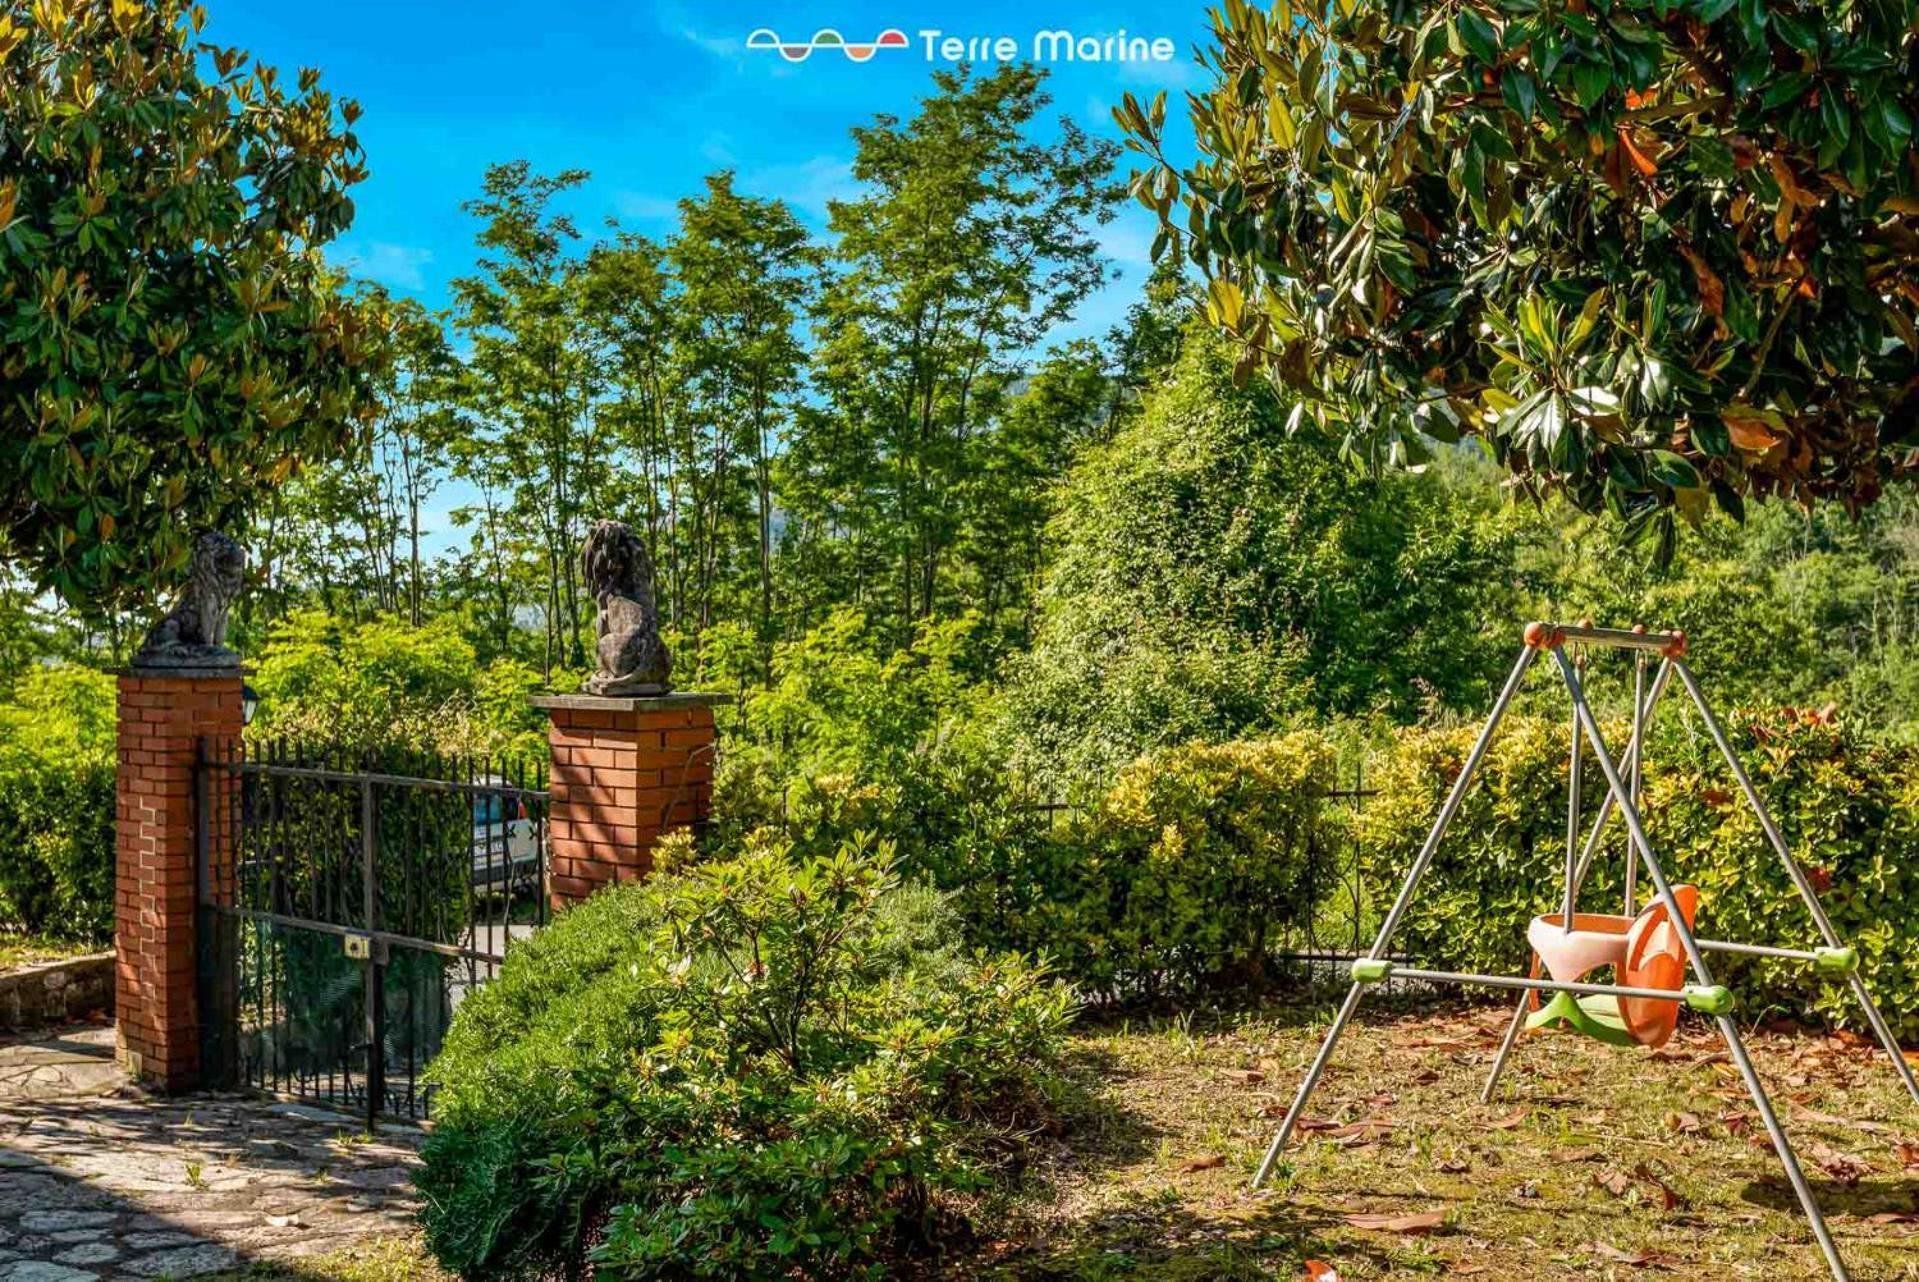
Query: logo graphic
826	38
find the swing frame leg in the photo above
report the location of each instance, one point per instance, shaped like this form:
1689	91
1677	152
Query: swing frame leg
1677	919
1814	908
1400	904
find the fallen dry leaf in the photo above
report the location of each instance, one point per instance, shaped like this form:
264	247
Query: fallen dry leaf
1205	1163
1453	1166
1909	1155
1320	1271
1243	1076
1668	1199
1894	1217
1683	1123
1508	1122
1466	1268
1614	1181
1411	1225
1844	1167
1568	1156
1634	1259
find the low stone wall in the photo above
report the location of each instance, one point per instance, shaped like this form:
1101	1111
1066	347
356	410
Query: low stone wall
56	992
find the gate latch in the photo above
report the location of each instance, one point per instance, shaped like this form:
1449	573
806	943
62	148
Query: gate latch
364	948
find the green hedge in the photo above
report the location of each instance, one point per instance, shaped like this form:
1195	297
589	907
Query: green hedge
56	806
1181	876
1849	807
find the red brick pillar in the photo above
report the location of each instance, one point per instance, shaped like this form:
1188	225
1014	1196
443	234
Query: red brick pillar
625	770
163	717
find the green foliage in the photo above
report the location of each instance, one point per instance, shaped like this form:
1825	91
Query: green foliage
1845	801
771	1066
175	343
968	240
845	700
1180	875
1654	253
1213	577
56	805
329	682
1198	860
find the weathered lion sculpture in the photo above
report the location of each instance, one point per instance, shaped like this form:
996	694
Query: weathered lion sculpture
192	634
619	574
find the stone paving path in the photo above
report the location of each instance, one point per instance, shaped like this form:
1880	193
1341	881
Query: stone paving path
101	1183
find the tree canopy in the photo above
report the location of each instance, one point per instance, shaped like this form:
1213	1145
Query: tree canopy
174	344
1649	251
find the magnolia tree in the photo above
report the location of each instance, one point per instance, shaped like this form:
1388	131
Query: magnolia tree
1652	253
173	344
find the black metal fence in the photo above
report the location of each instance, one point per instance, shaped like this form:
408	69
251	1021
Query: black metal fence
349	903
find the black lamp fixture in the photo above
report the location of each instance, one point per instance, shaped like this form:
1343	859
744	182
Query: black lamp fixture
249	702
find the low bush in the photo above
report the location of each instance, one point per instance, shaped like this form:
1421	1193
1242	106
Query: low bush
772	1065
1847	803
56	805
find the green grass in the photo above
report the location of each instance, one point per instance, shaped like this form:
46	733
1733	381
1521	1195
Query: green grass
1593	1162
17	951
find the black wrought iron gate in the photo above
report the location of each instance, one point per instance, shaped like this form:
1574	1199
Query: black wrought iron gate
348	905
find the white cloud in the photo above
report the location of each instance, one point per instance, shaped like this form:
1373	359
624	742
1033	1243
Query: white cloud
1128	239
395	266
806	185
646	207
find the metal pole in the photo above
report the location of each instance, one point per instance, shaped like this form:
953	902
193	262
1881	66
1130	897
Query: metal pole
1571	896
1757	950
1529	984
1880	1028
1518	1022
1616	638
1677	920
1635	753
375	976
1391	924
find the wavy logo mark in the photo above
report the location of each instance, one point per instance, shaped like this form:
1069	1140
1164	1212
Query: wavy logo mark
826	38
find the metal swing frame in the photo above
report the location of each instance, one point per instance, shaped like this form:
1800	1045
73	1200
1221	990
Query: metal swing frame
1622	794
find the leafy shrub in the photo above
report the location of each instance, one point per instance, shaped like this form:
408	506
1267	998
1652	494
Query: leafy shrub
773	1065
1179	876
1848	805
324	680
1215	575
56	805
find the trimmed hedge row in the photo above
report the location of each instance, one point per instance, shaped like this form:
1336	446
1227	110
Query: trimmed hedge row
1849	808
1180	877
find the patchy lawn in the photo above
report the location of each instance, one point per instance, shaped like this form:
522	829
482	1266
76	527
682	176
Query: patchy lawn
1593	1162
17	951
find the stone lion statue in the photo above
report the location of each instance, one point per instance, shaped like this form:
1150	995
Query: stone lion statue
193	632
619	574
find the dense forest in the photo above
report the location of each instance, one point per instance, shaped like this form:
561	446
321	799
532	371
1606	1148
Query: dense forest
857	448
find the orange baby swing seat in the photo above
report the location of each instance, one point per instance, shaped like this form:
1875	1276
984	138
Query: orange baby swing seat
1644	952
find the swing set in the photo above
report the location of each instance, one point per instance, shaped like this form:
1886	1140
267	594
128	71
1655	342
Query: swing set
1658	963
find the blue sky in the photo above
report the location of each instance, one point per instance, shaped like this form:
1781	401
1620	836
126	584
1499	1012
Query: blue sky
651	95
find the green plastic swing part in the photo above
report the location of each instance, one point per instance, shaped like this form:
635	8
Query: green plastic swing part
1371	970
1596	1015
1708	999
1835	963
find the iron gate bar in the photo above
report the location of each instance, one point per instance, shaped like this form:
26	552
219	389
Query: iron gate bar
457	879
424	783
